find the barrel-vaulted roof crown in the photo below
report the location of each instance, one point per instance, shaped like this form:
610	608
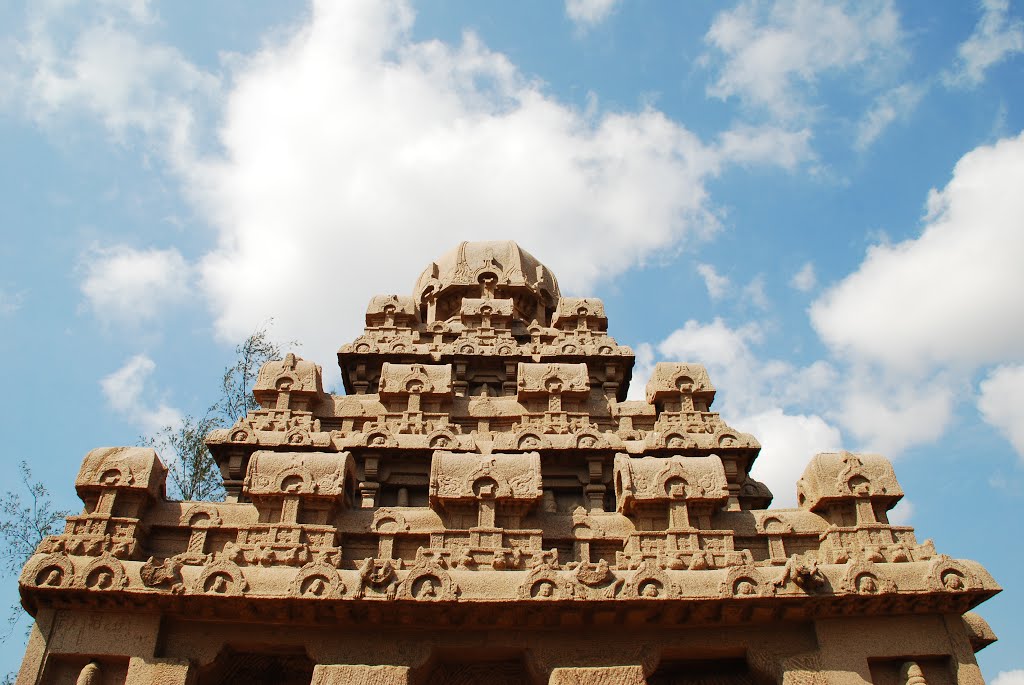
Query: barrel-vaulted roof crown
843	475
134	468
461	476
468	263
651	479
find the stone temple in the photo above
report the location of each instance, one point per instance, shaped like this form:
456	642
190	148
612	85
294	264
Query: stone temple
483	505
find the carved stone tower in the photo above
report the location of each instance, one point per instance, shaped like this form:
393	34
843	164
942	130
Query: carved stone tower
483	505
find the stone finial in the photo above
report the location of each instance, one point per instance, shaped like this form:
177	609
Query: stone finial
468	263
289	376
671	379
547	379
459	476
415	379
650	479
122	468
834	476
391	311
309	474
576	312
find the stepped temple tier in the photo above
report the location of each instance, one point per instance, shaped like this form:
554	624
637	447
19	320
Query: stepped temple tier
484	505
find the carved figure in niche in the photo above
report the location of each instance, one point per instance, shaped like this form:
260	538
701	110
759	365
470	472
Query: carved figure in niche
90	675
315	586
219	583
529	442
165	575
101	579
867	584
745	586
50	577
378	441
544	589
588	441
649	589
676	442
859	486
952	581
426	589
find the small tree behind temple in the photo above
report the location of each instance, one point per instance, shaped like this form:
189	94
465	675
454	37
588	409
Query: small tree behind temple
191	470
26	521
193	473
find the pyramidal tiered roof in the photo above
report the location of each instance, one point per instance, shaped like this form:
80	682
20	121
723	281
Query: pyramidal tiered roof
485	469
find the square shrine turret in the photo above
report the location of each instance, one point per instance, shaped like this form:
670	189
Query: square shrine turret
484	505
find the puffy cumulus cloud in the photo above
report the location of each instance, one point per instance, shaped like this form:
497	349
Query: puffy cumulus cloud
587	13
128	285
889	413
349	155
805	279
1001	403
954	295
902	513
746	145
126	391
717	284
1013	677
995	38
642	370
896	104
93	61
788	441
353	155
770	54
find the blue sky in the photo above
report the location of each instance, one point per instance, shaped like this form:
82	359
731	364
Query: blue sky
821	201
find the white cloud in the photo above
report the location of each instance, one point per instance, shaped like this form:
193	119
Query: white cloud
918	318
995	39
352	154
955	294
128	285
352	148
10	302
893	105
889	413
642	371
717	285
902	513
587	13
787	444
92	61
127	393
1014	677
755	293
1001	403
770	54
805	279
744	144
